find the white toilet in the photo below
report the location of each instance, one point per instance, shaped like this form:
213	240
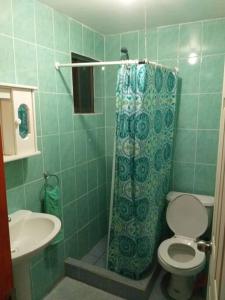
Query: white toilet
188	216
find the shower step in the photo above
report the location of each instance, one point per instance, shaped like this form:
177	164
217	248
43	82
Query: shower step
109	281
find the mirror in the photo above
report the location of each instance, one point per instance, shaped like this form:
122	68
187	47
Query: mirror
24	120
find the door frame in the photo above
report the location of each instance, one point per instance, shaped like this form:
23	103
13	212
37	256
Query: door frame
6	277
215	289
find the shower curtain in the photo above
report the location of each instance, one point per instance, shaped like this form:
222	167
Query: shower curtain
145	111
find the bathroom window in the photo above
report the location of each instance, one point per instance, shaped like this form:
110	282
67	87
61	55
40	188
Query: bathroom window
83	85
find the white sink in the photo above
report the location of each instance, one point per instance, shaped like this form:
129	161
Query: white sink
29	233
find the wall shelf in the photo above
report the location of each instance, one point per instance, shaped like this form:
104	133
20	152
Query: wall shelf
8	158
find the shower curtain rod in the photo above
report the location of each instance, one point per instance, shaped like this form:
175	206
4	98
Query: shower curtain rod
107	63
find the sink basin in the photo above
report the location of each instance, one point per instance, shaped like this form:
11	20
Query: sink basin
30	232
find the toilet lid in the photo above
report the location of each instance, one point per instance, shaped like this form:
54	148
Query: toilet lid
186	216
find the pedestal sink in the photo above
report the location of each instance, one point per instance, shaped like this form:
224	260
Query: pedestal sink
29	233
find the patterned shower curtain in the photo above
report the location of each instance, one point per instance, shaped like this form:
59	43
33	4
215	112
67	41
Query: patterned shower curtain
145	111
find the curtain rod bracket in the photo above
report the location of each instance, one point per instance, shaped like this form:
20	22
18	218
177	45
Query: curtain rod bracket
57	66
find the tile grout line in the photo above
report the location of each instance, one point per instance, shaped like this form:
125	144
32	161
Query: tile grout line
59	140
199	89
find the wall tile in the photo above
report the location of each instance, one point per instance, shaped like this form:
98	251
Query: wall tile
152	41
83	238
26	64
99	46
141	43
41	280
92	175
110	136
211	76
205	180
214	36
71	246
91	144
7	70
168	42
81	180
75	37
190	76
187	110
23	19
46	70
70	218
51	153
183	177
130	41
100	142
64	75
80	141
83	214
170	63
48	104
185	147
190	39
94	232
93	204
33	166
207	146
34	195
44	24
54	258
6	17
68	185
99	82
209	111
16	199
88	42
37	113
112	47
110	111
61	29
67	150
14	174
65	107
111	78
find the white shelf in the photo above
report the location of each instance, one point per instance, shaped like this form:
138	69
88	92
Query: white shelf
8	158
20	86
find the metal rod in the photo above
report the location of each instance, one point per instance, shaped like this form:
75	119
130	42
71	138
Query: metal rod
106	63
93	64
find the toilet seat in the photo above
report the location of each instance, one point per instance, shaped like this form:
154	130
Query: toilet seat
198	256
187	217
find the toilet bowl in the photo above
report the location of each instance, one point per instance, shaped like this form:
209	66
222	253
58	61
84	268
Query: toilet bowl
188	218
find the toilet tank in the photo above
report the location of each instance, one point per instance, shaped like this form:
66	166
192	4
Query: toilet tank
207	201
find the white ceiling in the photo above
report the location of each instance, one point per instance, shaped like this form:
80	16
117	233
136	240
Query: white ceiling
113	16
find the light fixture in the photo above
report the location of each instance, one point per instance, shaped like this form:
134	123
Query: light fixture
192	58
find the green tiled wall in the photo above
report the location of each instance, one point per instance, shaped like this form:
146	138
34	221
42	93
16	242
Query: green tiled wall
79	148
32	37
199	102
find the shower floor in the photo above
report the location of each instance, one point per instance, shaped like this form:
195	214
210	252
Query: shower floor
97	255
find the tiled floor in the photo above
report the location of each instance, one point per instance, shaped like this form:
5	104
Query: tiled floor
97	255
159	290
70	289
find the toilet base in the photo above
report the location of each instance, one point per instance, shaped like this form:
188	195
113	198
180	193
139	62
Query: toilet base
180	287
